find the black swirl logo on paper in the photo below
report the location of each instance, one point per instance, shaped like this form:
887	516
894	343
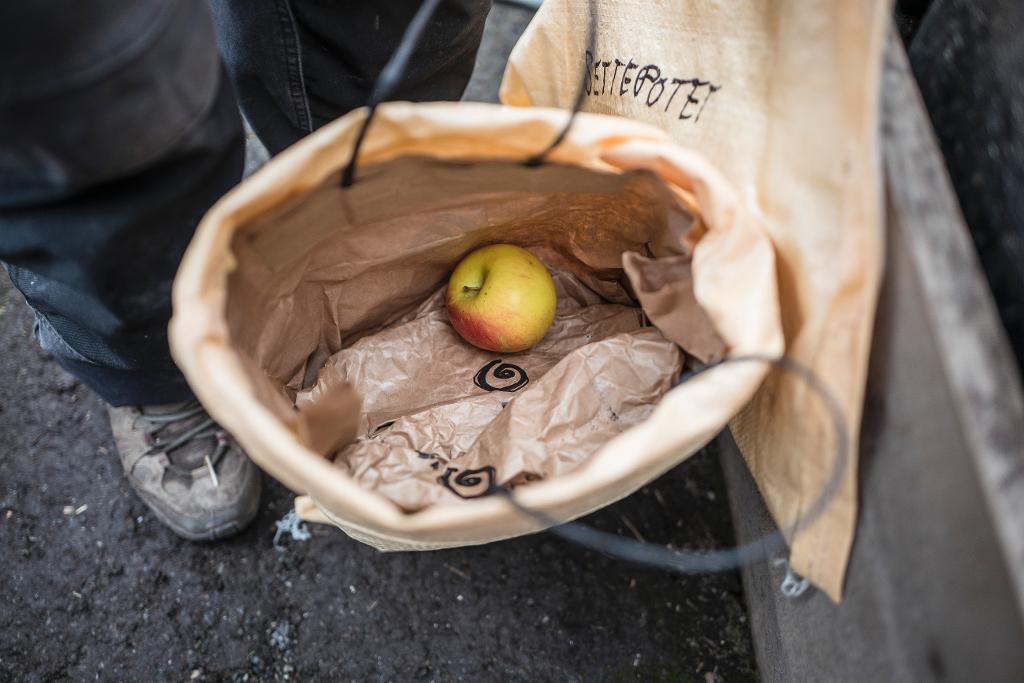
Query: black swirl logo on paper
468	483
505	377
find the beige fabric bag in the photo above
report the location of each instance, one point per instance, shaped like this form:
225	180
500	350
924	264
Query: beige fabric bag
783	97
289	269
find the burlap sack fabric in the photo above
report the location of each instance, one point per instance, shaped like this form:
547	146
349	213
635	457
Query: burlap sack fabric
296	290
783	98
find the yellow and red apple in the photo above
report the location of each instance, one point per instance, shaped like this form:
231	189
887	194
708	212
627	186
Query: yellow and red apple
501	298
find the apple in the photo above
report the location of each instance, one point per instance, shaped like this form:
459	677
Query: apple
501	298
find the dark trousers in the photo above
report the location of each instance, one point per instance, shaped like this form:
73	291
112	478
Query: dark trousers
119	128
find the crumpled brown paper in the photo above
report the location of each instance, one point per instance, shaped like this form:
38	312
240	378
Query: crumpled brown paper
664	288
438	412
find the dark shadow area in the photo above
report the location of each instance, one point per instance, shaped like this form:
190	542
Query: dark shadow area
968	58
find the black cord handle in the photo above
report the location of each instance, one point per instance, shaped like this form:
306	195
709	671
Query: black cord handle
393	72
389	78
580	94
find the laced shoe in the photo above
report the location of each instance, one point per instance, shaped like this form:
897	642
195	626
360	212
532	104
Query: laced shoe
188	470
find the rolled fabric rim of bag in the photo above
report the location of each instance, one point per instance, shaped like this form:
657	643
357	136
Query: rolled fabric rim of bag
734	282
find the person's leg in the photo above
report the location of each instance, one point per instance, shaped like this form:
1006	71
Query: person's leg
298	64
118	130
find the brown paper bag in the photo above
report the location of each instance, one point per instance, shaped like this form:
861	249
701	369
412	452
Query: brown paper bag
783	97
290	269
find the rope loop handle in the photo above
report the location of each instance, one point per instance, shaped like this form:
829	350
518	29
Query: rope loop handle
394	71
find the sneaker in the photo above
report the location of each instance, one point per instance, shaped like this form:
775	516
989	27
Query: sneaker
190	473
